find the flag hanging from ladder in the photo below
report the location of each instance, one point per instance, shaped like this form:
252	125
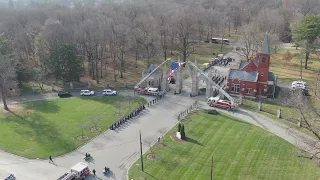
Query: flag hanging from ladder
174	67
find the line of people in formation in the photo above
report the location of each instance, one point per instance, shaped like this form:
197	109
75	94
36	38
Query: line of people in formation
126	118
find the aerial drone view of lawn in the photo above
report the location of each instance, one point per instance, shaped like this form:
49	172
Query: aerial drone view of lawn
54	127
239	150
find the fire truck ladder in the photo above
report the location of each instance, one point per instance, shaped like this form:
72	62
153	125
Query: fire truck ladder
147	76
213	83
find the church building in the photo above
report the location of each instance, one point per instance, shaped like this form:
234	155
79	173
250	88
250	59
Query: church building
252	78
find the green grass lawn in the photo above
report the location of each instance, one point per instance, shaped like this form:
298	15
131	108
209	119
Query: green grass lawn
42	128
239	151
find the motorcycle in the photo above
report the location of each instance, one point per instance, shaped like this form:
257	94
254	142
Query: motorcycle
87	156
106	171
11	177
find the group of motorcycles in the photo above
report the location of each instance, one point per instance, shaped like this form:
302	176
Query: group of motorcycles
88	157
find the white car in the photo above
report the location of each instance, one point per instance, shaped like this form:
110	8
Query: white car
87	93
299	84
109	92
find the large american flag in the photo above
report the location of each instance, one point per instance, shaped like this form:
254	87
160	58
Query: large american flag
174	67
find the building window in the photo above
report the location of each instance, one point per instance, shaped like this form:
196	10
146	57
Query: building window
235	88
249	90
263	60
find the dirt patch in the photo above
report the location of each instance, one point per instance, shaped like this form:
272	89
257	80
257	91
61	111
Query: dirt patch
95	129
152	156
163	144
82	137
174	137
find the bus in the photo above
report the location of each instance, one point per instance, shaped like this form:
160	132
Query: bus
218	41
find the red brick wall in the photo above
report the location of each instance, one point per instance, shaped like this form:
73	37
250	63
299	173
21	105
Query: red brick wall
243	86
263	68
261	87
250	67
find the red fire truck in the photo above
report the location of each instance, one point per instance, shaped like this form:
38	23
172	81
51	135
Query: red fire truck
147	90
77	172
217	102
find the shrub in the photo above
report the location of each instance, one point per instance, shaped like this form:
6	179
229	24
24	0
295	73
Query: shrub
179	128
183	134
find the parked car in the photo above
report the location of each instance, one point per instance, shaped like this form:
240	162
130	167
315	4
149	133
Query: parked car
299	84
62	94
87	93
109	92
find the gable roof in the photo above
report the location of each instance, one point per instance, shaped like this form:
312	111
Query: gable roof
265	45
243	64
243	75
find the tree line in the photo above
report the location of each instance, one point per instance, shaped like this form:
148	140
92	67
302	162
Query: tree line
48	41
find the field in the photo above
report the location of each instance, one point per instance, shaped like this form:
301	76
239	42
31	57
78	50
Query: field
239	151
42	128
289	71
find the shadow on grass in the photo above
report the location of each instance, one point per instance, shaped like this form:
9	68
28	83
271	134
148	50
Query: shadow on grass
194	141
45	106
235	119
43	133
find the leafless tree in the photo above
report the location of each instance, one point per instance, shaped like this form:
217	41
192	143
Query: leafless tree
184	29
308	118
83	126
145	34
95	119
306	7
118	105
248	41
130	99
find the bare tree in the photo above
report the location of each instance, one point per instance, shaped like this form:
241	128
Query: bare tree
83	126
306	7
95	119
7	69
248	42
145	34
308	118
130	100
184	30
118	105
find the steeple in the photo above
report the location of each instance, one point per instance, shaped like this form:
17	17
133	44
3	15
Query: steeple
265	45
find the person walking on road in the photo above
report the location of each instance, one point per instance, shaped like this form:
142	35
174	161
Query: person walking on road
50	159
94	172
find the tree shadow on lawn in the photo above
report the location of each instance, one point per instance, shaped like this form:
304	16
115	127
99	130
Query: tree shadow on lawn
194	141
45	106
111	99
229	117
44	133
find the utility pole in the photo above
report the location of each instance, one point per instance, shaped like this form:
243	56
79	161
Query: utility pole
141	156
211	168
301	69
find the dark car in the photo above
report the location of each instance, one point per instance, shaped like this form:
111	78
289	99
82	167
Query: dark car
64	94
